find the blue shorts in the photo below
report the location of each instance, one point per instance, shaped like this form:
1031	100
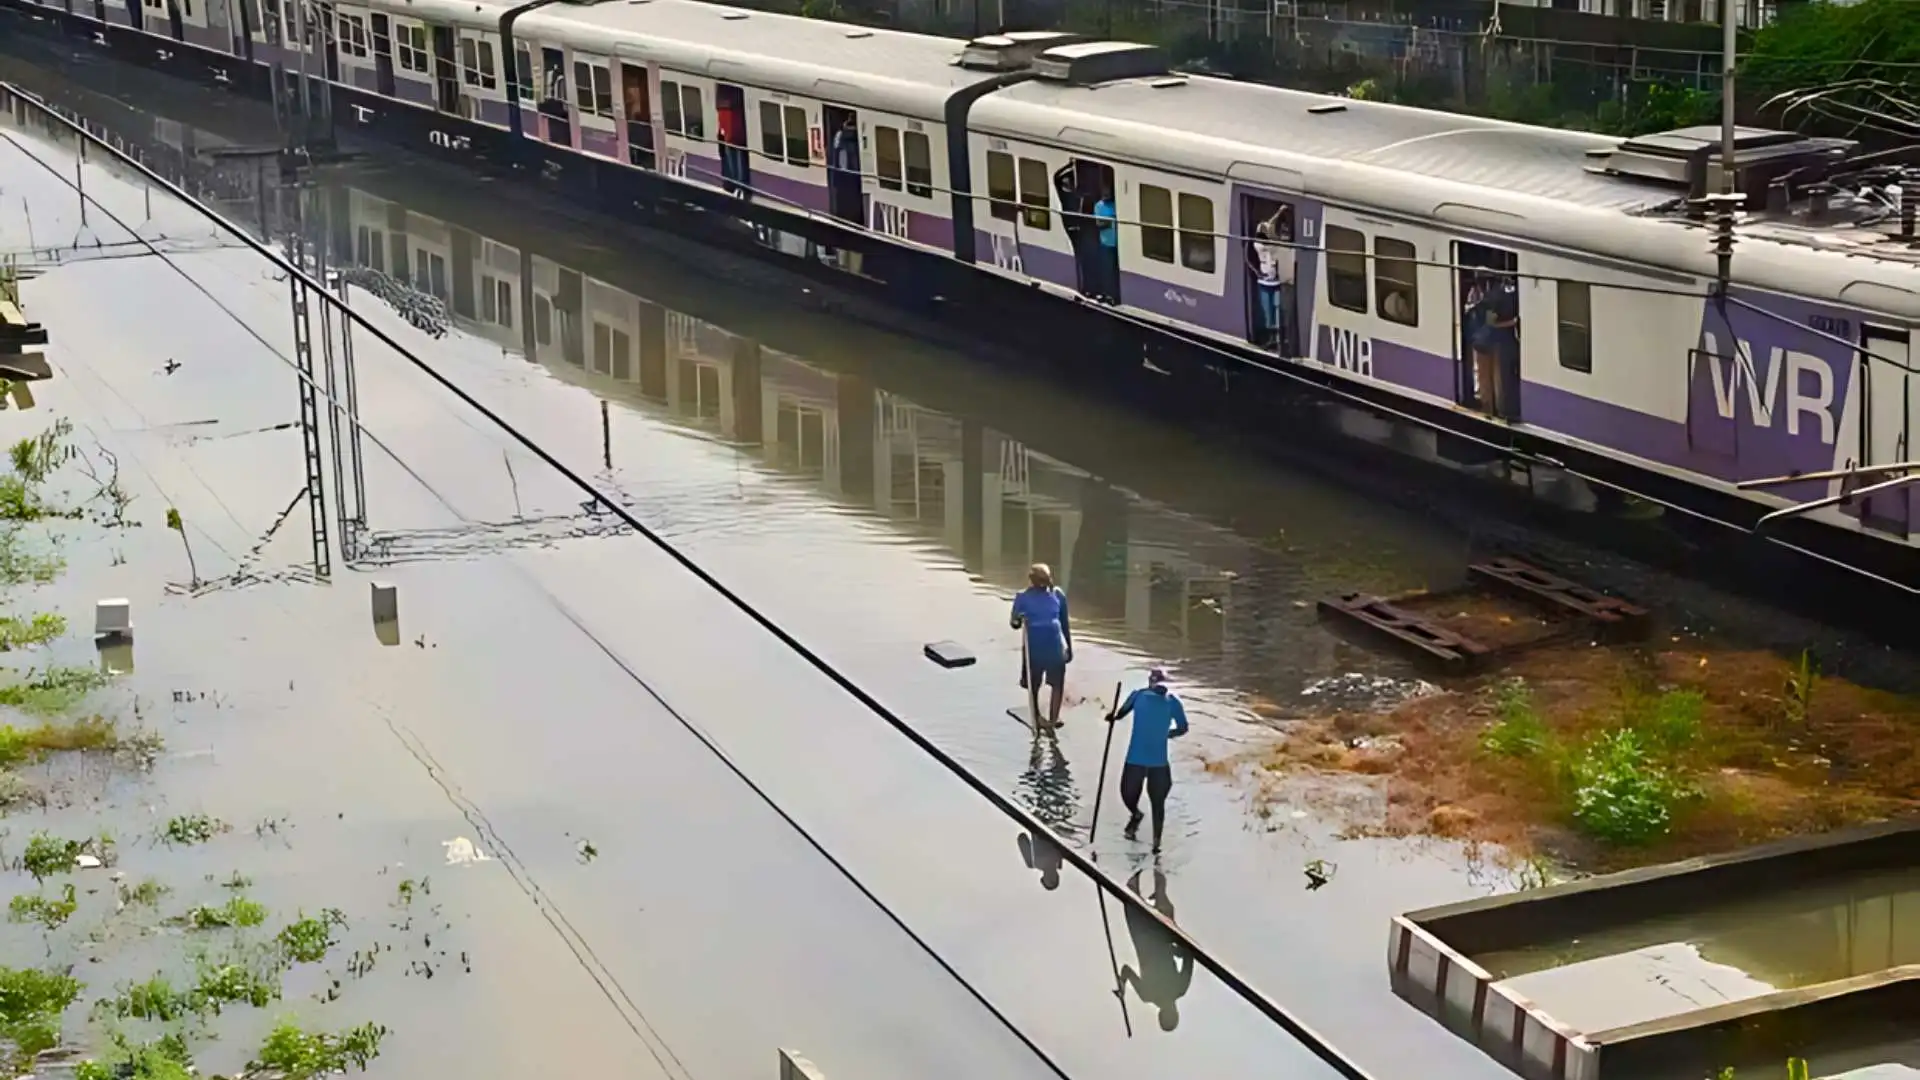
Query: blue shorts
1051	673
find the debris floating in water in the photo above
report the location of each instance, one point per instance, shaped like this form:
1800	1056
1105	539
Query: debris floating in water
461	851
949	654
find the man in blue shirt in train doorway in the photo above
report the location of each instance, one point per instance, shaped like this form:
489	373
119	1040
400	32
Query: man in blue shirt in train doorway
1040	612
1104	217
1157	717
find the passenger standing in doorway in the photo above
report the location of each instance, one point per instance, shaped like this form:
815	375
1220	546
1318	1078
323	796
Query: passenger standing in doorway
1157	717
1274	265
1104	217
733	142
844	171
1495	324
1040	612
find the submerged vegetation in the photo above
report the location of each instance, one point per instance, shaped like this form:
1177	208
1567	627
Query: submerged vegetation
148	1029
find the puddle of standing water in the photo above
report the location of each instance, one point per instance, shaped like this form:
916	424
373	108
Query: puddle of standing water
1797	937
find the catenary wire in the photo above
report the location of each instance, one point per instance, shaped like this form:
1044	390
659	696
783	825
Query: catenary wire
699	734
1310	1039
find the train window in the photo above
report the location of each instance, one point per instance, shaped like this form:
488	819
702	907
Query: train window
582	86
693	111
773	143
919	165
797	153
1035	188
1000	189
593	88
353	35
523	73
1574	313
886	156
1196	233
477	60
670	105
1347	268
413	48
542	320
1396	283
496	301
1156	223
602	88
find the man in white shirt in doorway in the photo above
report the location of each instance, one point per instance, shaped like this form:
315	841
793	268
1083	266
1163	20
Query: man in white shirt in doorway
1274	269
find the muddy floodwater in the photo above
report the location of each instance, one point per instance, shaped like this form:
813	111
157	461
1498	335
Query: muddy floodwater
621	788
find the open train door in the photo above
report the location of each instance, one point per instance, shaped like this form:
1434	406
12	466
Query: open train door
1892	395
846	187
446	70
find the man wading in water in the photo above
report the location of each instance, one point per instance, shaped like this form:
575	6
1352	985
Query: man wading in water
1041	610
1157	717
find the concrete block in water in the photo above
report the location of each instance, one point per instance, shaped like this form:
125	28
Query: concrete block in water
795	1067
386	602
113	618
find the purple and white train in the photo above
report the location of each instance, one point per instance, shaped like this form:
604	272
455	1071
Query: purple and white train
1628	369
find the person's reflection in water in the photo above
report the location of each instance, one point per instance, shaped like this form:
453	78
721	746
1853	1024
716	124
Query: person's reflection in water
1047	787
1166	971
1042	854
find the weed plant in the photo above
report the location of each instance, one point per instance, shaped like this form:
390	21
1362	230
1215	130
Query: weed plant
1519	732
31	1004
1621	793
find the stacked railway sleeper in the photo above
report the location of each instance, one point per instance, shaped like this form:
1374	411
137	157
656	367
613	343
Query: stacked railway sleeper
1505	607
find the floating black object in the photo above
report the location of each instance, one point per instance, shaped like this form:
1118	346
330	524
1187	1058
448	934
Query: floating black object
949	654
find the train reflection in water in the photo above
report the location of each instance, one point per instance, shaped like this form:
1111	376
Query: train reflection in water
1160	578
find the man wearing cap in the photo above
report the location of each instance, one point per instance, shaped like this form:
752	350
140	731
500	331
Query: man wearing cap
1041	612
1157	717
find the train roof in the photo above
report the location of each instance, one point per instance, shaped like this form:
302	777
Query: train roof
1493	176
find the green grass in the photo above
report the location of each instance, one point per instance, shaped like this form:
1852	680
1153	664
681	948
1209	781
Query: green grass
165	1058
88	733
38	629
186	830
47	855
298	1054
21	566
49	913
237	913
55	690
1670	721
147	893
306	940
31	1004
1518	732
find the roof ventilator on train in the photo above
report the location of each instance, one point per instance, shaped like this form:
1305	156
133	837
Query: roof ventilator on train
1056	56
1775	169
1090	63
1012	51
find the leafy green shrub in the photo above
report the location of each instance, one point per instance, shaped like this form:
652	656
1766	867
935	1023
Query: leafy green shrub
1620	793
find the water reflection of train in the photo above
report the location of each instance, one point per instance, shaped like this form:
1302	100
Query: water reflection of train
993	500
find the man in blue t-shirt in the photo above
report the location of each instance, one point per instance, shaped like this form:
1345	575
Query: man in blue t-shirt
1041	610
1157	717
1107	221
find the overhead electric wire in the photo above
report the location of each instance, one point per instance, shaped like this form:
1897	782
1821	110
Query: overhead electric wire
695	730
1303	1034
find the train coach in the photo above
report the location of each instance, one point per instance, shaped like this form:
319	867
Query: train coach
1549	293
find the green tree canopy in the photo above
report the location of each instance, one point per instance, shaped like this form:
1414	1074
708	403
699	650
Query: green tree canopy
1868	53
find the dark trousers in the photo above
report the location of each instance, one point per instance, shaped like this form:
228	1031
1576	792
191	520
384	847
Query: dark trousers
1157	779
